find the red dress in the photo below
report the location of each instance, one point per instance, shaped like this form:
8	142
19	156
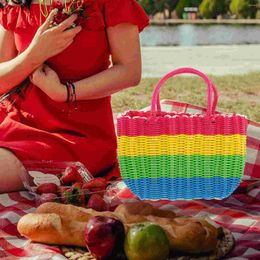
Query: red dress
36	127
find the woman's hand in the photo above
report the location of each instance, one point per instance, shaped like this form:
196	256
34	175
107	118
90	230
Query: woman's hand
48	42
48	81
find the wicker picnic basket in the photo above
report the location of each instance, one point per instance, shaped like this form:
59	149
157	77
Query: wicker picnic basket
180	155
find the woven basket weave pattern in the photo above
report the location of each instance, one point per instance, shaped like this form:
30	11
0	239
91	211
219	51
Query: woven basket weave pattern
181	156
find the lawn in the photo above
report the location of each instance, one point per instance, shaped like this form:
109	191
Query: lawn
240	94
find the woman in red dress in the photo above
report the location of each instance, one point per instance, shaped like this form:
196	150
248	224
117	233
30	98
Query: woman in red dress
40	125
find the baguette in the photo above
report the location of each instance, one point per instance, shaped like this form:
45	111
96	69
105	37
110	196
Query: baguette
186	234
82	214
52	229
60	224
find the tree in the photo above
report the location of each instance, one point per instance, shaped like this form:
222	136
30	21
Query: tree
159	6
154	6
170	6
244	8
186	3
210	9
148	6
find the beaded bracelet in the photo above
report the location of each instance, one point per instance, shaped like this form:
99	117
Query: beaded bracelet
71	93
68	92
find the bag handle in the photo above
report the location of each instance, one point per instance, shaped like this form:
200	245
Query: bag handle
211	106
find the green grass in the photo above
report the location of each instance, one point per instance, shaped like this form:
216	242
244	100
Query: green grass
239	94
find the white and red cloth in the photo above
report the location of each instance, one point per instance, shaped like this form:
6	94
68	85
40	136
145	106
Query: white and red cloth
240	212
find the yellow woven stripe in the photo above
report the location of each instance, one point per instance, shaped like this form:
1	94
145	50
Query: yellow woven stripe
182	144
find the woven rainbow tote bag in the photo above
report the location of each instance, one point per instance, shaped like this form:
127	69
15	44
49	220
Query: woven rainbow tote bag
179	155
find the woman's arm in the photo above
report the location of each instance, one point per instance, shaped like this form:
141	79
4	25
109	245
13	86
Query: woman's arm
15	68
126	71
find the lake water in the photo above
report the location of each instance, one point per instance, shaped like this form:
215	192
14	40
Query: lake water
193	35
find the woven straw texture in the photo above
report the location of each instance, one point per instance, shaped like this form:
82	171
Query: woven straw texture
180	155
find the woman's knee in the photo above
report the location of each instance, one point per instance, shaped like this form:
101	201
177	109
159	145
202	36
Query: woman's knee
11	169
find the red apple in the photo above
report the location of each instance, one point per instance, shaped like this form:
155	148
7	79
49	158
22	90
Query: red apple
104	236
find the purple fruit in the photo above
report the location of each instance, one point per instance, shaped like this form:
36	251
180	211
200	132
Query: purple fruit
104	236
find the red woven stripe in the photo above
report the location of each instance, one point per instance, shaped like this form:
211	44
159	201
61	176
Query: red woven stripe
135	123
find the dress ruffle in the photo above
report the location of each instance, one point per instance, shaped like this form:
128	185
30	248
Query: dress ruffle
13	17
125	11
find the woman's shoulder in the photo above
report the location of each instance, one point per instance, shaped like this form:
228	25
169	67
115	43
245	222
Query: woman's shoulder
101	13
8	15
125	11
15	16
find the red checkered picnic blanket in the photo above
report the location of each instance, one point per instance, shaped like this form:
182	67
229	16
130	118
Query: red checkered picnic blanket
240	212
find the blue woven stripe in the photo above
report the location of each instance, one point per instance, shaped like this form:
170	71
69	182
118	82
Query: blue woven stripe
183	188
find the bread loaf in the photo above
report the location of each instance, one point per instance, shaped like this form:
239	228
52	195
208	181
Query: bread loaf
60	224
185	234
51	228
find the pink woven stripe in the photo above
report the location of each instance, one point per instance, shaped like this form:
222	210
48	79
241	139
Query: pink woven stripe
139	123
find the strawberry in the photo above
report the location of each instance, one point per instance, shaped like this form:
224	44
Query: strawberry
68	196
76	189
71	195
62	193
83	199
97	184
71	175
77	185
97	203
80	20
57	4
47	188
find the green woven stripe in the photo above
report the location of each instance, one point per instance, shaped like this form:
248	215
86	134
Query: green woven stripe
186	166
